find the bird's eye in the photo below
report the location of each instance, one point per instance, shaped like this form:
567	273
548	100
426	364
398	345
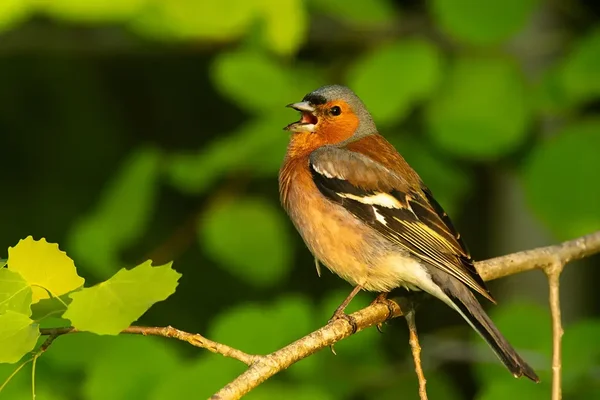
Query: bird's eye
335	111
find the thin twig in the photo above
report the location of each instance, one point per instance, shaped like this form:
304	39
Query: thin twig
415	348
194	339
553	272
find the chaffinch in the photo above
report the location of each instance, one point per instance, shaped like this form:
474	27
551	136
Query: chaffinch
366	215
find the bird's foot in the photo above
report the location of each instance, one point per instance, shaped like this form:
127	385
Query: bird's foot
382	298
340	314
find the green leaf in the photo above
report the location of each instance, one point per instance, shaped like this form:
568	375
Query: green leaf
15	293
581	69
186	19
92	11
111	306
66	355
481	111
395	77
285	25
482	23
13	12
439	386
19	385
550	95
121	215
251	149
198	379
266	327
3	262
514	389
570	158
18	336
579	358
259	83
278	390
520	322
44	267
375	13
133	365
250	238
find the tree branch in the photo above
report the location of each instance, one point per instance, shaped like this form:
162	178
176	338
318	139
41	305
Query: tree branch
551	259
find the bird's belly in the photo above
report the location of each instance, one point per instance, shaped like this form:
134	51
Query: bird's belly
348	247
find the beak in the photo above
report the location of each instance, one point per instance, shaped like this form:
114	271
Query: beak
308	121
303	106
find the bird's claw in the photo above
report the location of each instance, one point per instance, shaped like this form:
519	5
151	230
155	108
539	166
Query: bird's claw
382	298
348	318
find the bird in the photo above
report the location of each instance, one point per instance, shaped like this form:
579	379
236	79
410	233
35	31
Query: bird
367	216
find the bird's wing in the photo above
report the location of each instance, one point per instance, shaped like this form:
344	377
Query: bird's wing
404	212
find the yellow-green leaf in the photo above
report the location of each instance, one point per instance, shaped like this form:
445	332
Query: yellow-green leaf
18	336
44	267
15	293
111	306
12	12
286	25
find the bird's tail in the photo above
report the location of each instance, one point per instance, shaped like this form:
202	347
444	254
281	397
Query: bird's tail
467	305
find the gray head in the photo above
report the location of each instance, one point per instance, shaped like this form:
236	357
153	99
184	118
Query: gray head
330	101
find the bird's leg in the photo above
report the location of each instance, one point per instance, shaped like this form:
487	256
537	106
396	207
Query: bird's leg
339	312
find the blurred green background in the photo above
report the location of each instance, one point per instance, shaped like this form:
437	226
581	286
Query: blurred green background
139	129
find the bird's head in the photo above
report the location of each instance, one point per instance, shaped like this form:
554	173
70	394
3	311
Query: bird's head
330	114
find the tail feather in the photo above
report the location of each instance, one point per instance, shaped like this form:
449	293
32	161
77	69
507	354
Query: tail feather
463	300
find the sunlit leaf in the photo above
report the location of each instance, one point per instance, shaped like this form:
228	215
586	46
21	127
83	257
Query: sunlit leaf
250	238
481	111
44	267
111	306
137	363
198	379
121	215
480	22
18	336
15	293
93	11
395	77
185	19
285	25
358	12
569	158
581	70
12	12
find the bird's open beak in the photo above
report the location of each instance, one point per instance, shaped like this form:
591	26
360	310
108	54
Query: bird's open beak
308	121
